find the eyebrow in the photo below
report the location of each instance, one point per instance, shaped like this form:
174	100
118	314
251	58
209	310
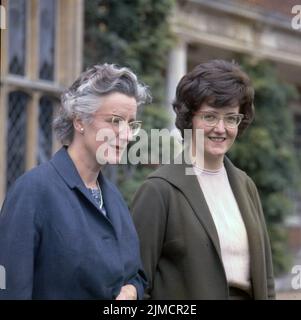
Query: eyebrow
119	116
228	113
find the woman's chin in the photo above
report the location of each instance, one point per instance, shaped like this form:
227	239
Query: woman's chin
111	158
115	160
216	152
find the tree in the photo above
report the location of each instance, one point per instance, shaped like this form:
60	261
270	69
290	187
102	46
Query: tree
133	33
267	154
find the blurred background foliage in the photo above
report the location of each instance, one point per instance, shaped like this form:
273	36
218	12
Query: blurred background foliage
266	152
136	33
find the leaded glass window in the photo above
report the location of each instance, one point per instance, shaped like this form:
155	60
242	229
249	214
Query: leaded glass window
45	135
17	40
47	18
16	135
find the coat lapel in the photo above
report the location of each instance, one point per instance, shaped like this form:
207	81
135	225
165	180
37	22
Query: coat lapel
190	188
67	170
250	217
111	202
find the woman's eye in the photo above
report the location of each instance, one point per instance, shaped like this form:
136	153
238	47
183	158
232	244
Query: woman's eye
116	120
231	119
209	117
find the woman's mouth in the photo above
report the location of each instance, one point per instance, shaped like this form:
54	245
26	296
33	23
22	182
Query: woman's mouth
217	139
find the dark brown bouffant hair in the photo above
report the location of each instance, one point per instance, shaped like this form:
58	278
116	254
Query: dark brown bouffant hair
219	84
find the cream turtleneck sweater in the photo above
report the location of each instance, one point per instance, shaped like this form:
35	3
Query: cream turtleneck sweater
229	225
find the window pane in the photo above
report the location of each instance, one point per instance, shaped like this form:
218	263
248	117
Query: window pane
16	136
47	39
17	31
45	129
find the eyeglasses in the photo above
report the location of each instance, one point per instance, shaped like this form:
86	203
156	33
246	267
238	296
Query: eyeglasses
211	119
120	123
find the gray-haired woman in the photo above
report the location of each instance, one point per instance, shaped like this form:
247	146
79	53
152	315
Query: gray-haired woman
65	230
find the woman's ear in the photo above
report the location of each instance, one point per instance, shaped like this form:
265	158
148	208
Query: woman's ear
78	125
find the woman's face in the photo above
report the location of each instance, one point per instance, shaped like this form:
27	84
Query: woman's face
109	133
218	138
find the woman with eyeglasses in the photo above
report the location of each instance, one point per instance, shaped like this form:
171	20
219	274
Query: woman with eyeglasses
202	232
65	230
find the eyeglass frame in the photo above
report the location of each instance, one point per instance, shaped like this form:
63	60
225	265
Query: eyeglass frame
219	118
124	121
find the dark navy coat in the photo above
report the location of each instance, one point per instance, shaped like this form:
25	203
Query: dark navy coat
56	244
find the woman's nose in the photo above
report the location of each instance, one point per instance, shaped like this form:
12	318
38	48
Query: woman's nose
125	133
220	126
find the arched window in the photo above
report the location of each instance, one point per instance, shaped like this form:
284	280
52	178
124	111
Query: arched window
45	133
17	39
47	19
16	136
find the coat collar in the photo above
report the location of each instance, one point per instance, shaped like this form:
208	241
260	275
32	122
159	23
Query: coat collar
65	167
190	188
250	214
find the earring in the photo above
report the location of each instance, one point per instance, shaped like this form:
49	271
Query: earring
81	130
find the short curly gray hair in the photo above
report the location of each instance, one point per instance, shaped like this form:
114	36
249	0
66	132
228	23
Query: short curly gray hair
82	99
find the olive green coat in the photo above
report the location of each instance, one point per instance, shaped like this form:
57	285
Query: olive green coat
179	243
